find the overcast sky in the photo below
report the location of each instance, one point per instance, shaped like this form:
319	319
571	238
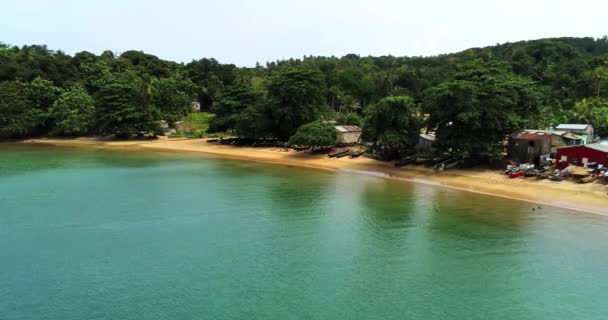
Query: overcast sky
246	31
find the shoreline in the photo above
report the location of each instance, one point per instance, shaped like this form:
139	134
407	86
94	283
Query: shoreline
591	197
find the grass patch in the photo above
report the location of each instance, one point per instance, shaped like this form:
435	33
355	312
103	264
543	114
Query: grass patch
198	122
195	126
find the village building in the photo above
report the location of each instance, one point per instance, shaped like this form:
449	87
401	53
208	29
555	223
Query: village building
195	106
348	134
581	155
531	146
583	130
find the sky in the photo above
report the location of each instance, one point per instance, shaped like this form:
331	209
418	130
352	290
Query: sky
244	32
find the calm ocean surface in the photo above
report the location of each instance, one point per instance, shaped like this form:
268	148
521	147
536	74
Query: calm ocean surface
111	235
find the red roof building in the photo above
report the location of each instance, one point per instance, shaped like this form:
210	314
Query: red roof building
582	154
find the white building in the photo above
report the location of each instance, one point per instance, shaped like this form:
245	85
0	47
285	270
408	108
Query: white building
584	130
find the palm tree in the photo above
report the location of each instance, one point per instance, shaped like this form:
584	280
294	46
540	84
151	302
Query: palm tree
390	83
599	74
583	110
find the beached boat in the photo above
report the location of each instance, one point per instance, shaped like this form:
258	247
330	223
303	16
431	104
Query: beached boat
300	148
344	154
587	179
339	153
531	173
405	161
327	149
451	164
422	161
228	141
516	174
356	154
544	175
440	159
213	140
442	165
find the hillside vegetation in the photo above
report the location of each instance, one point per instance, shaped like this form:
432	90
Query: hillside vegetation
474	97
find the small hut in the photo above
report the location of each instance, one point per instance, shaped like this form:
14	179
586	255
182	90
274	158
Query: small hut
348	134
529	145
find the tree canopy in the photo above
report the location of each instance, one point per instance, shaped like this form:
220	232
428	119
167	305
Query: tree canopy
474	97
73	113
476	109
315	134
392	126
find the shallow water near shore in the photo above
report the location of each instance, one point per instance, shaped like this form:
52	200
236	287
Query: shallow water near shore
88	234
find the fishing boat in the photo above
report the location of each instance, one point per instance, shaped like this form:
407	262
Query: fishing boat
228	141
531	173
212	140
544	175
451	164
516	174
339	153
422	161
356	154
442	165
405	161
587	179
344	154
326	149
556	178
440	159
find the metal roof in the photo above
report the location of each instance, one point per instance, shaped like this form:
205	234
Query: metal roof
555	132
427	137
531	135
600	146
572	126
348	129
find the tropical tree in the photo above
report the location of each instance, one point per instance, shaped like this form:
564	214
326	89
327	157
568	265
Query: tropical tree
348	118
17	117
296	97
234	100
475	111
41	94
252	123
173	96
600	74
392	126
73	113
124	106
315	134
594	111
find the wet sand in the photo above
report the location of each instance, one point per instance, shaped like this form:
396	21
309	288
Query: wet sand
591	197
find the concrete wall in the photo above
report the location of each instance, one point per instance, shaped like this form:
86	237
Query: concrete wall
349	137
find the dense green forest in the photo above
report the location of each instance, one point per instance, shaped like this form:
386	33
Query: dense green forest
471	98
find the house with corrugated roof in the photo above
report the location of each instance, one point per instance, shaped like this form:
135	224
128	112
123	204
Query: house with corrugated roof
583	130
528	146
348	134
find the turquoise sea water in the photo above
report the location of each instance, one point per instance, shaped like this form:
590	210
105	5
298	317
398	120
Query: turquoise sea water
110	235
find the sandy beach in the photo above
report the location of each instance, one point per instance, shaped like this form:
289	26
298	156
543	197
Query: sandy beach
591	197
